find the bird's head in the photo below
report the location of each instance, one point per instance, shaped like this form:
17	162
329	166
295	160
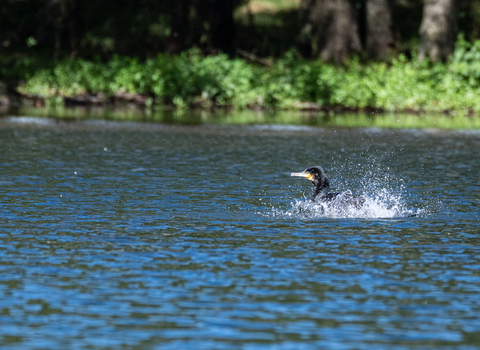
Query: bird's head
316	175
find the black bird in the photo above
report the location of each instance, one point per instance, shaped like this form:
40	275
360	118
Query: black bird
322	186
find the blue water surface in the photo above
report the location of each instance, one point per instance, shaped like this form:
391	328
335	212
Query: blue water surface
150	236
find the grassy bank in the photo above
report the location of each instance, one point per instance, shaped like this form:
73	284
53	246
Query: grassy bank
290	83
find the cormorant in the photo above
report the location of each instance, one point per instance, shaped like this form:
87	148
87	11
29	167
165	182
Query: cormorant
322	185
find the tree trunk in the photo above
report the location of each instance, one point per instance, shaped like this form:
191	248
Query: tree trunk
379	29
342	36
331	28
306	18
180	12
219	15
223	29
438	30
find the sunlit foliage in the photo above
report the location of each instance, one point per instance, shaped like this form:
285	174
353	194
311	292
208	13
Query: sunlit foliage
191	79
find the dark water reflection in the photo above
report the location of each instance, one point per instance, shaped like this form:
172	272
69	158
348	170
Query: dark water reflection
174	237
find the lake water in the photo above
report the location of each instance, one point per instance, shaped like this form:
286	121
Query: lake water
154	236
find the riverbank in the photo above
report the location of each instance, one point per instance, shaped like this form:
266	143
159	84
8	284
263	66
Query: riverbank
260	118
194	81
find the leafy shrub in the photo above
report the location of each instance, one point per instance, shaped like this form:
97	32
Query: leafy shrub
190	78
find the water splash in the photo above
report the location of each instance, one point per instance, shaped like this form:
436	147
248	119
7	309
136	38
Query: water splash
383	192
382	204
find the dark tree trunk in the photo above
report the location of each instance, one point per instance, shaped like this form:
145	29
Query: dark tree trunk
207	23
379	29
223	29
219	16
438	30
342	36
308	25
61	27
470	22
330	27
74	27
180	12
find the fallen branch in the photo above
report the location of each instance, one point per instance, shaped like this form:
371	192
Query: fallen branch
254	57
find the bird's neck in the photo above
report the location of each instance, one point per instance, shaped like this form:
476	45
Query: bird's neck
320	191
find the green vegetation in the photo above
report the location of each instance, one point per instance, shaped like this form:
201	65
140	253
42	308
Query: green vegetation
191	79
245	54
245	117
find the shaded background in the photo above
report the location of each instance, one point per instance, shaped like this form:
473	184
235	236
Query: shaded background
265	28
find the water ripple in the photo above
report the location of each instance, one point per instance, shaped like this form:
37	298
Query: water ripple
179	237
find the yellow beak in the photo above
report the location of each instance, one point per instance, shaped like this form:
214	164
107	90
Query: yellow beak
303	174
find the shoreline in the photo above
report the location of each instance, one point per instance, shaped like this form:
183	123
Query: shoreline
122	100
192	81
137	113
